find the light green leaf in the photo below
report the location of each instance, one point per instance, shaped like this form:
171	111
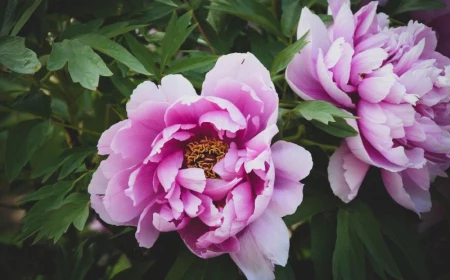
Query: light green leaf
176	33
15	56
85	66
104	45
190	63
339	128
321	111
24	17
281	61
23	140
141	53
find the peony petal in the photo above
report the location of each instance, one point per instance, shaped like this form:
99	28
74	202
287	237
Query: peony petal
192	204
168	169
262	244
346	173
286	157
104	143
141	183
146	233
287	196
192	179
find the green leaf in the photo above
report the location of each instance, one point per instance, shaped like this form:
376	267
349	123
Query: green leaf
74	210
281	61
124	85
368	230
290	18
73	161
119	28
339	128
34	102
85	66
59	189
141	53
403	6
253	11
405	237
24	17
136	271
323	237
221	268
9	17
75	264
74	30
23	140
311	205
348	256
176	33
114	50
190	63
15	56
321	111
284	273
184	261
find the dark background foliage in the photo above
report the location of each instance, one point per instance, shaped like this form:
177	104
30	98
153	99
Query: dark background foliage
67	68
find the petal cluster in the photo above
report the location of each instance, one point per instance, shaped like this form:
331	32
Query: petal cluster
204	166
398	86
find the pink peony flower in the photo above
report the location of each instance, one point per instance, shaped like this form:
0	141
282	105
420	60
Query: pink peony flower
398	86
204	166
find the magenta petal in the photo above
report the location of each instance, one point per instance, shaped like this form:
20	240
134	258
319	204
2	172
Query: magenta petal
263	243
146	233
141	183
192	204
243	201
346	173
218	189
192	178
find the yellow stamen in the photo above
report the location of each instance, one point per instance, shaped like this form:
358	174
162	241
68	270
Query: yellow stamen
204	154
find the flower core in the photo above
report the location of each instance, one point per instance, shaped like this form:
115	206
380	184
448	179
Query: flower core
204	154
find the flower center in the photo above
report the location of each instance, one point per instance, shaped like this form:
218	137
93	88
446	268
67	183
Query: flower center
204	154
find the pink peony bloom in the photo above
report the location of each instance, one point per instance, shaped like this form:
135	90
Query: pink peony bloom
204	166
398	86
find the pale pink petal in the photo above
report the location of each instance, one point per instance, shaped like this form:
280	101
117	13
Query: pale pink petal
287	196
168	169
291	161
192	178
346	173
263	244
344	24
192	204
218	189
175	87
243	201
141	183
104	143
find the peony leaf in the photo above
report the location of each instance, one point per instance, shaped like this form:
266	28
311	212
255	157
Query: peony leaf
141	53
281	61
284	273
191	63
403	6
323	237
176	33
57	190
85	66
339	128
15	56
321	111
23	140
290	17
34	102
104	45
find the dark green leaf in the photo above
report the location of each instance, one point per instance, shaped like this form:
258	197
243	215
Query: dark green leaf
320	111
348	256
185	260
281	61
176	33
339	128
114	50
74	30
323	238
15	56
59	189
119	28
311	205
403	6
23	140
221	268
34	102
284	273
8	17
290	17
141	53
73	161
24	17
134	272
85	66
253	11
367	229
190	63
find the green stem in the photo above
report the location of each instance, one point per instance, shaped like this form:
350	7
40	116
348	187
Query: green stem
325	147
